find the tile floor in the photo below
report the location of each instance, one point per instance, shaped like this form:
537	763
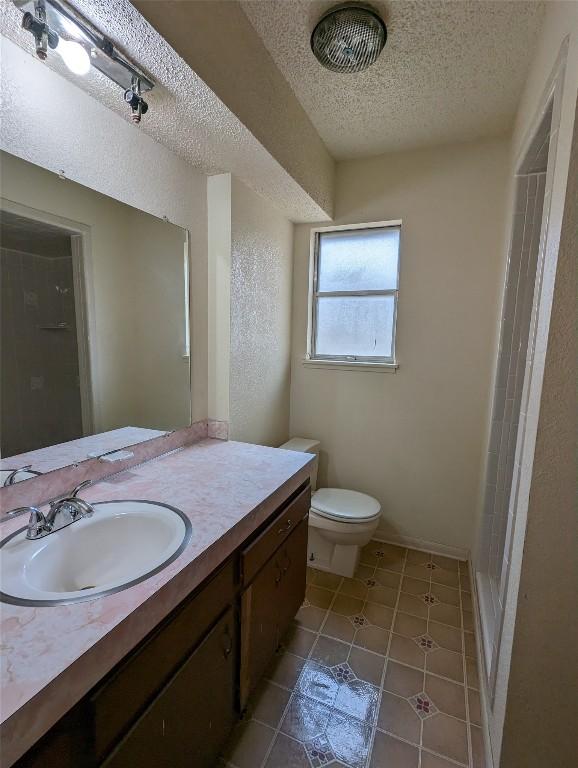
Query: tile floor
378	671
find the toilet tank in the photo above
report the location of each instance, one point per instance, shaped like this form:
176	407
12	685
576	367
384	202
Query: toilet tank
305	445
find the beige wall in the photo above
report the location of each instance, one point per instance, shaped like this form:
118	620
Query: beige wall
162	371
413	439
261	281
540	723
134	355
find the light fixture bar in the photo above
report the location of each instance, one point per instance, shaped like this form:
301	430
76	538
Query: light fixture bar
57	26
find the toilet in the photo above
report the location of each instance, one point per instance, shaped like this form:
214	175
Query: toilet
341	522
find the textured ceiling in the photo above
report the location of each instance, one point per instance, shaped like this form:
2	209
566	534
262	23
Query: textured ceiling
185	114
450	71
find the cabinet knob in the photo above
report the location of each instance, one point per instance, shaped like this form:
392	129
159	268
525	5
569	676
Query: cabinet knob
228	646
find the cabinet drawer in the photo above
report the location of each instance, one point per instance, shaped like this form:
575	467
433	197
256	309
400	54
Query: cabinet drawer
256	554
118	701
188	723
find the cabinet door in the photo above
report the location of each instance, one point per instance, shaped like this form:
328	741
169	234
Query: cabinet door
269	605
259	629
190	720
292	558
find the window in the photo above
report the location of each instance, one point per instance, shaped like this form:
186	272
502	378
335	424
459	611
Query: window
354	294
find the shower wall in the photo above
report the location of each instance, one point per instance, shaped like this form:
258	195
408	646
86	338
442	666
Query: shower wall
40	398
493	555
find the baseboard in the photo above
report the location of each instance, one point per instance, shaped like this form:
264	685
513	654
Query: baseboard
458	553
484	704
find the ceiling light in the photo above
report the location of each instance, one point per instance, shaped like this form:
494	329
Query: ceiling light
74	56
348	38
56	26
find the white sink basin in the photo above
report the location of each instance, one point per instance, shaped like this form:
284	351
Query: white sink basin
123	543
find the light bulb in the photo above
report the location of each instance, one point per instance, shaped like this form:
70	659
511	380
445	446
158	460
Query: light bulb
74	56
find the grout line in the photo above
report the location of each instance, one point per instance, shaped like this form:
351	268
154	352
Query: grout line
425	662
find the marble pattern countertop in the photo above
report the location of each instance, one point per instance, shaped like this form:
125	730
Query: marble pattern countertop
56	456
52	656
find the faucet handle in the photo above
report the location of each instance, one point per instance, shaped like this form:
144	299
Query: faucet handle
11	477
85	484
36	524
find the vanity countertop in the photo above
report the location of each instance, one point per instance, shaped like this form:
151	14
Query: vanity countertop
52	656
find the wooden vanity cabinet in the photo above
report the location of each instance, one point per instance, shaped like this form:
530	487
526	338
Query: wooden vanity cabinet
273	571
173	700
189	721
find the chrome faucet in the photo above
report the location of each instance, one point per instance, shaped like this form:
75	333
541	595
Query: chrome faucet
11	479
61	513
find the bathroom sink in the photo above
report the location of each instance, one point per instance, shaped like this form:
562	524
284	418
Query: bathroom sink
122	544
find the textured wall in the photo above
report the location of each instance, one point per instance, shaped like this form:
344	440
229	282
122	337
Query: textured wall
185	115
288	162
219	291
47	120
413	439
261	275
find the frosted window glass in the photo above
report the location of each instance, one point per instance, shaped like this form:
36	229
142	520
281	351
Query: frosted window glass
358	260
355	326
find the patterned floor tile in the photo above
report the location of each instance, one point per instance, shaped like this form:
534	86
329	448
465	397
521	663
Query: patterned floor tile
426	643
318	683
350	739
423	705
358	699
319	751
305	718
404	614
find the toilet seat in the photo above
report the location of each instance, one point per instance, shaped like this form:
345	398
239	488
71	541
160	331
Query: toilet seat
345	506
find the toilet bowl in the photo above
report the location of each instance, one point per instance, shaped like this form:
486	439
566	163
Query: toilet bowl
341	521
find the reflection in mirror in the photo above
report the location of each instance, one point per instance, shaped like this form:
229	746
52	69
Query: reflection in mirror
94	323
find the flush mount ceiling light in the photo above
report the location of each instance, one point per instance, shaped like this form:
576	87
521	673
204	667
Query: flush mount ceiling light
349	38
57	27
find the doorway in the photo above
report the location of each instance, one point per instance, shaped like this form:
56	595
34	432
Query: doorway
43	341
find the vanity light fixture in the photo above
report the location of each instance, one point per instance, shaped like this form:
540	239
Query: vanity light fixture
57	27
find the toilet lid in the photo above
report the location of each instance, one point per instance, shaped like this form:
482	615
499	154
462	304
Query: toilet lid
339	504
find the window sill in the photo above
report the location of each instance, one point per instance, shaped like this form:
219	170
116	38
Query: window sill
351	366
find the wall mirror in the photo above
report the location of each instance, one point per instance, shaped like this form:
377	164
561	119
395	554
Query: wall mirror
94	326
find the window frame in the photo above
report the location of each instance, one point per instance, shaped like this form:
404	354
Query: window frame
314	294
